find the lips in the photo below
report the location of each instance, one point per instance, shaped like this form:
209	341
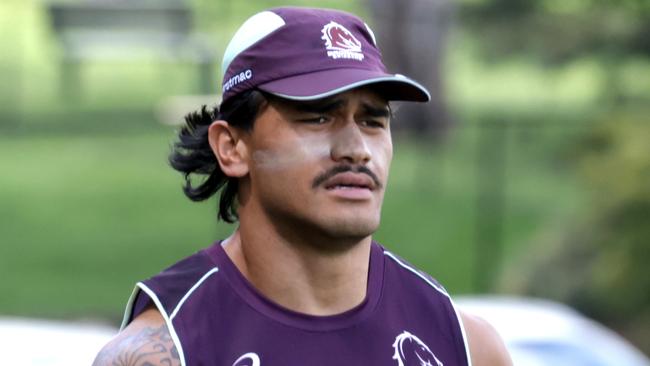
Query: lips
350	180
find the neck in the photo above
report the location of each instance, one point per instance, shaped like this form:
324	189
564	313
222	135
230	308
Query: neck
298	276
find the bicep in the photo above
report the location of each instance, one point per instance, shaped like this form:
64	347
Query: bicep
485	344
145	342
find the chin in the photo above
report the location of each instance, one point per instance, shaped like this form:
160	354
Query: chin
354	229
329	228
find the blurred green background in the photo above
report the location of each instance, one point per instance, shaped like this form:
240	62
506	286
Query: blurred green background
540	185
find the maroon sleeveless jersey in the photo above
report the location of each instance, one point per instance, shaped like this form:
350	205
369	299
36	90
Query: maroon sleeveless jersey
217	318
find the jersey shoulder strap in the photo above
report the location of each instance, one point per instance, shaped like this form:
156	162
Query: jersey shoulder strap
169	289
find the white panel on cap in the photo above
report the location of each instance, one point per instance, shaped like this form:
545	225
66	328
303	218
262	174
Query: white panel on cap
255	28
372	34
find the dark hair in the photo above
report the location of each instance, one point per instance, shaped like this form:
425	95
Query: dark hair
191	153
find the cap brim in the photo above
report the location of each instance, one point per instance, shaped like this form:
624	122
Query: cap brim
322	84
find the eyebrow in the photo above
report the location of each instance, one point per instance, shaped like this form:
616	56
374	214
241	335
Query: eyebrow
330	105
319	106
374	111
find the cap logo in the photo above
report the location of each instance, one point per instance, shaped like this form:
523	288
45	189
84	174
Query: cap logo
341	43
236	79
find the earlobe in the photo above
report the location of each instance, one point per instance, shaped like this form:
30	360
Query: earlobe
229	149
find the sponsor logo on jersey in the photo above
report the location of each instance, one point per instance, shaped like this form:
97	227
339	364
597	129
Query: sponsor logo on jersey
341	43
237	78
248	359
411	351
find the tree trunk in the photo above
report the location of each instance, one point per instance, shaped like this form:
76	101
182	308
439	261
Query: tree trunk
411	35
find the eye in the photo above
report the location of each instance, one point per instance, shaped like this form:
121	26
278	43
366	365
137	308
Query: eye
372	123
318	120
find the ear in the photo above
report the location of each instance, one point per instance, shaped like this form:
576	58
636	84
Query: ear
229	148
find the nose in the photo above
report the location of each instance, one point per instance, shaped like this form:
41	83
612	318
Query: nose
349	145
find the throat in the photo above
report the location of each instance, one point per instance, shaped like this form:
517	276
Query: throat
302	281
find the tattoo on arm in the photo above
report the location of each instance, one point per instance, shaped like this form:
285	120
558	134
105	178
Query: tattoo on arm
148	347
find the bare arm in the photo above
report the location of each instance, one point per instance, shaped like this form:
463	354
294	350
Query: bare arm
145	342
485	345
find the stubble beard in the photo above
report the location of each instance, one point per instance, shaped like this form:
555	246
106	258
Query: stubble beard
328	234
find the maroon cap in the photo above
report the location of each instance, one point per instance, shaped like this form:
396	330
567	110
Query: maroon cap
306	54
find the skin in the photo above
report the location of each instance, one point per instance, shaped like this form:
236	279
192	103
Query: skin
303	241
145	342
322	238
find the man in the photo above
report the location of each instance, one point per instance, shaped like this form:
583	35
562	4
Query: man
300	150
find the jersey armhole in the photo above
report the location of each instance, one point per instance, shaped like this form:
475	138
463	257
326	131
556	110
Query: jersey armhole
462	331
143	290
426	278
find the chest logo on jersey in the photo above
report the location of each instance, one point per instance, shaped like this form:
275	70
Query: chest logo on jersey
248	359
411	351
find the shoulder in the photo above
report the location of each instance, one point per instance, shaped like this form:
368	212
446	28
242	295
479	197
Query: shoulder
146	341
408	271
172	286
485	345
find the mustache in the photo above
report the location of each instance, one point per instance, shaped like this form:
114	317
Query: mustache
320	179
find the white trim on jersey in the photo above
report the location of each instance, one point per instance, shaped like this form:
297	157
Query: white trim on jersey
442	291
462	330
417	273
128	311
168	321
191	290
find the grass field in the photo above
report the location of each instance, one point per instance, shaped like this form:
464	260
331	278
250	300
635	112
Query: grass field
88	204
84	216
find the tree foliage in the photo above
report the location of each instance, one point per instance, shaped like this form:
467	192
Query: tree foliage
556	31
598	263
